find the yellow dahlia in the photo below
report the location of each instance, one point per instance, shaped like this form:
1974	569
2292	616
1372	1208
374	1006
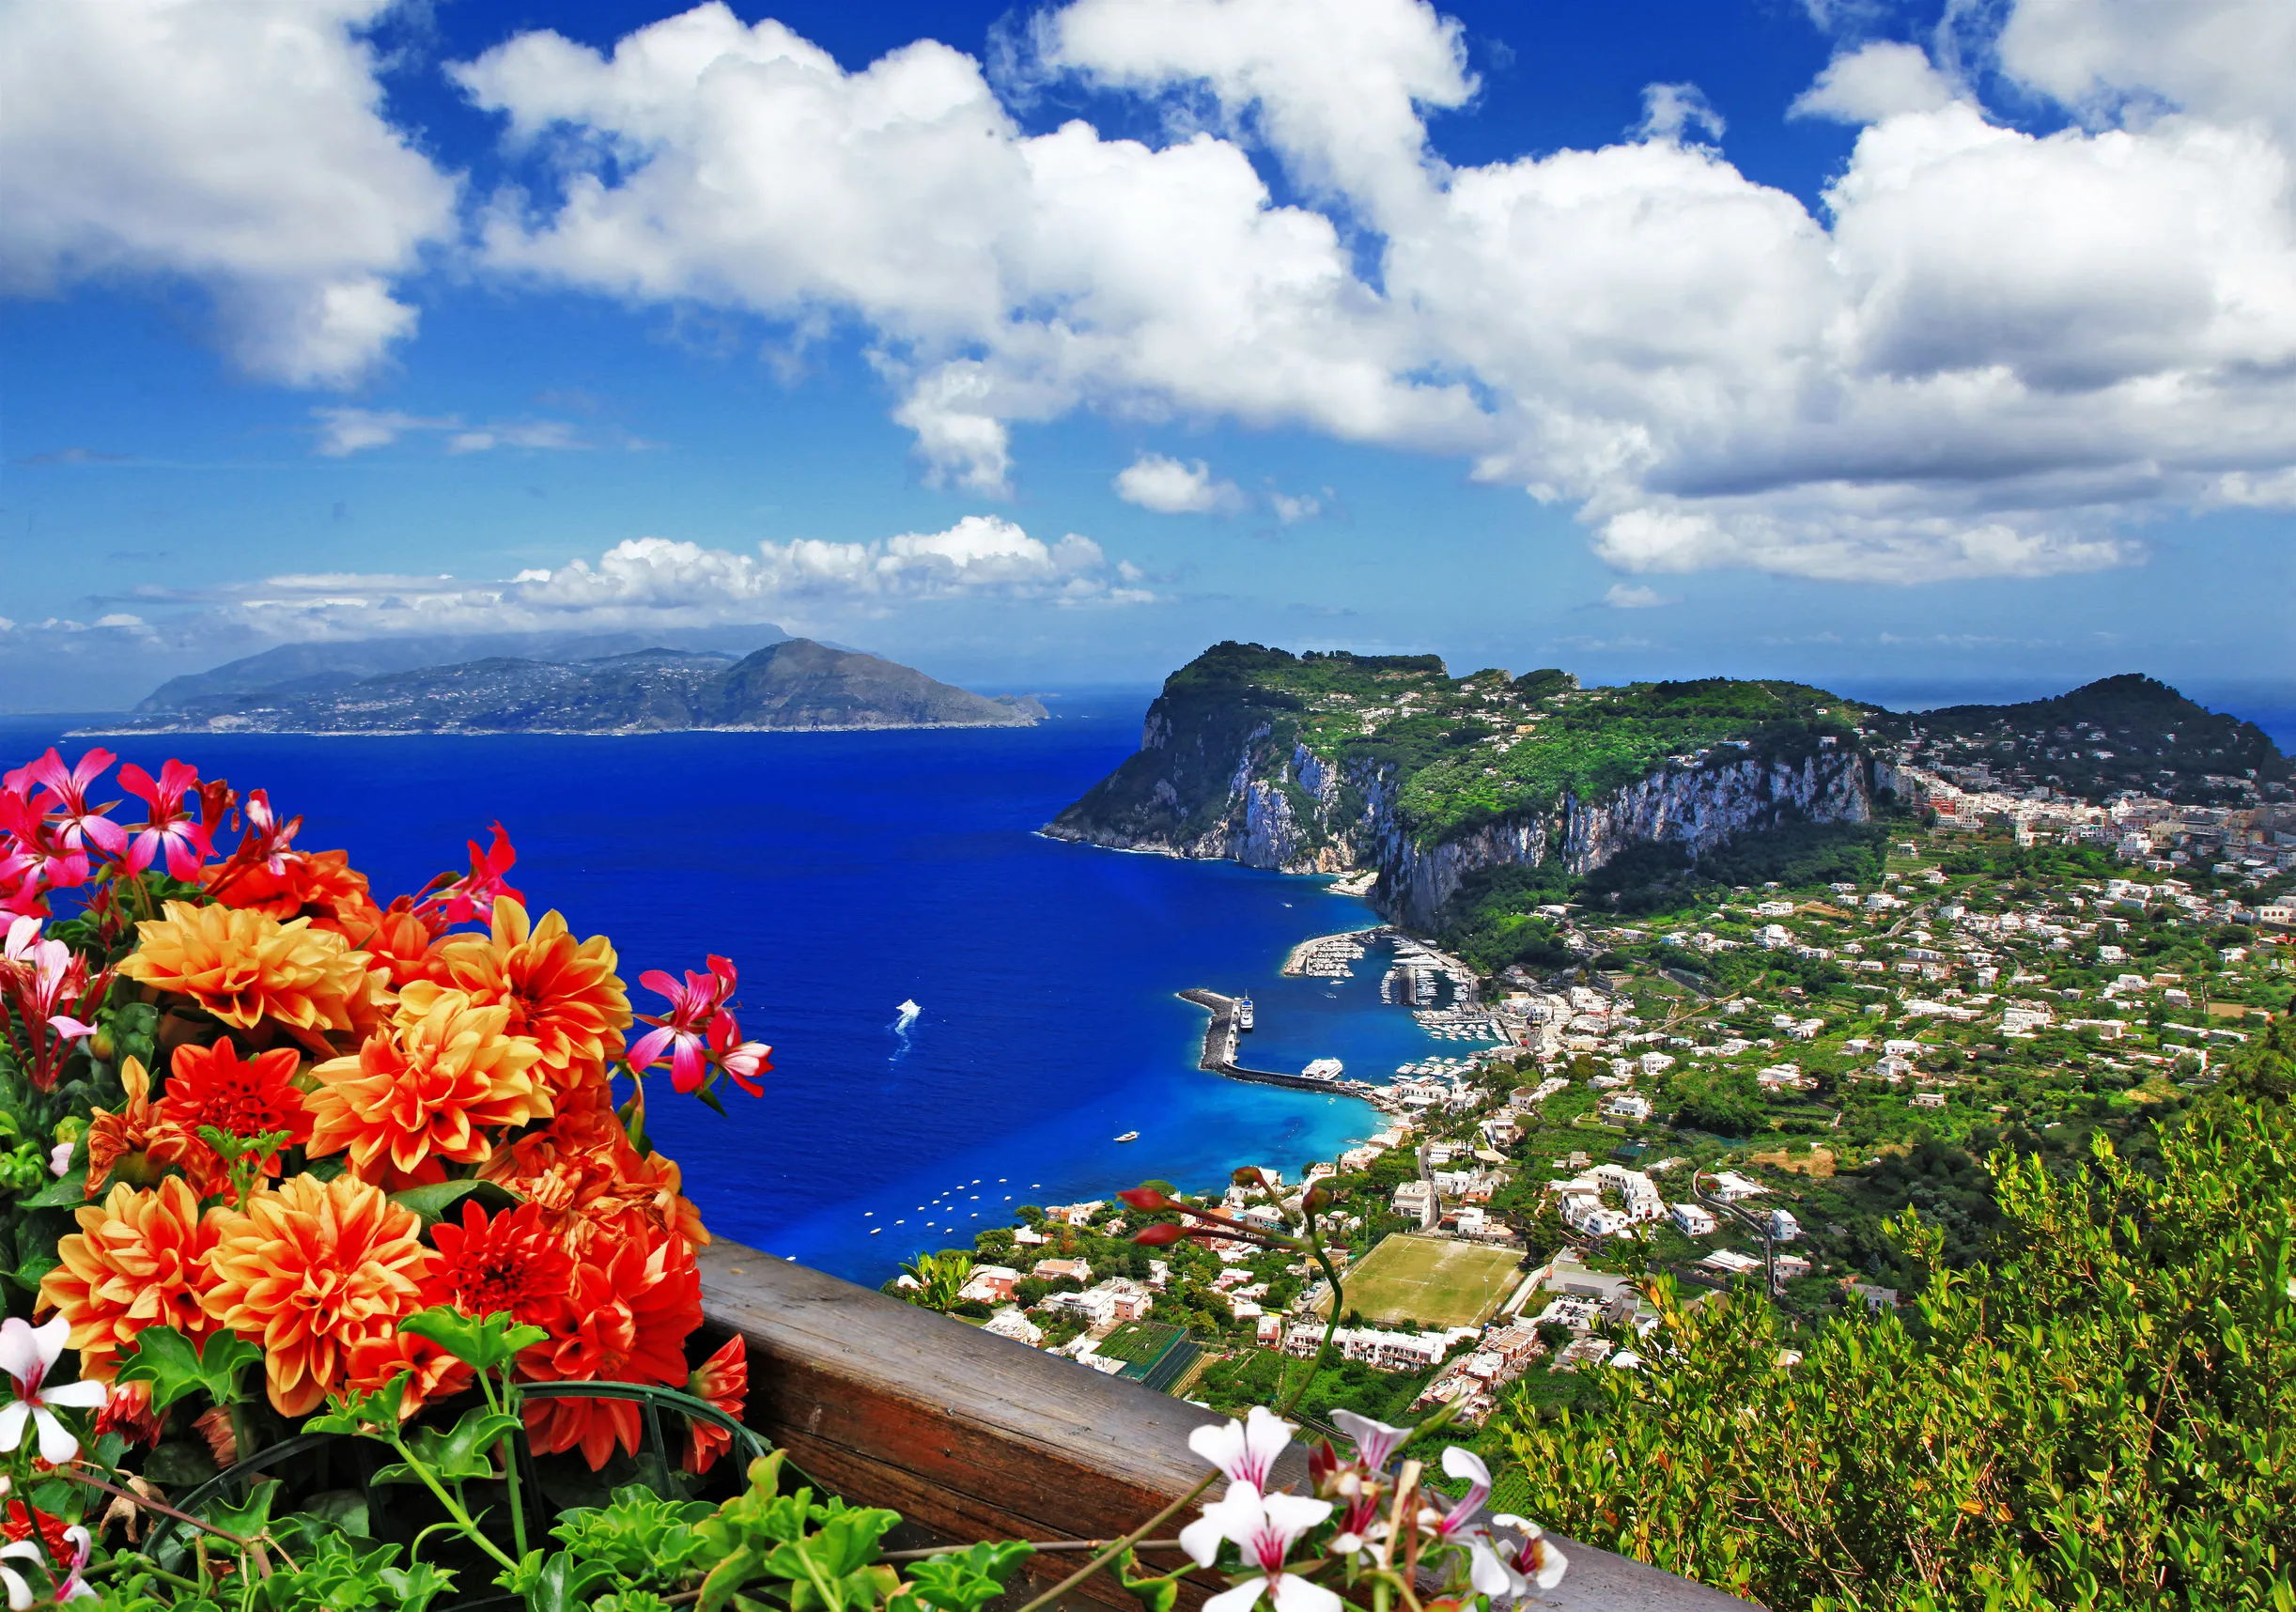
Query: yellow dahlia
562	994
427	1088
247	968
138	1259
311	1271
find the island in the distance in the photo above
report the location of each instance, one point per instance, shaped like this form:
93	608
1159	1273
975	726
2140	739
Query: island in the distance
794	685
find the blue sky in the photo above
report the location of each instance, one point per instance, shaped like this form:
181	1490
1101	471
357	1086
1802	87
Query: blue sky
1905	349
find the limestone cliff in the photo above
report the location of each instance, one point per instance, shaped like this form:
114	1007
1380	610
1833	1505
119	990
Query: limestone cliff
1297	765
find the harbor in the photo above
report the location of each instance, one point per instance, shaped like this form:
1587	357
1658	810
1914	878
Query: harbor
1219	1050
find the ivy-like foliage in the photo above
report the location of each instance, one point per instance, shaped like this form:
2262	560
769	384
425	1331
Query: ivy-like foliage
2102	1420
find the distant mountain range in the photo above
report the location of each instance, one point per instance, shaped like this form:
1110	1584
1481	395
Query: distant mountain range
557	687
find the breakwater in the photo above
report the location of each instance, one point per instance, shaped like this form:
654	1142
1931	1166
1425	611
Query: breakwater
1220	1043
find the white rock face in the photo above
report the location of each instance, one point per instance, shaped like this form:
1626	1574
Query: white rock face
1299	813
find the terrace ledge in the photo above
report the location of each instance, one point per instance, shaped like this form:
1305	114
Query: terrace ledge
974	1437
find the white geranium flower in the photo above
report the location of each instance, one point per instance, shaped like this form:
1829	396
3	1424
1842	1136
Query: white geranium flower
28	1353
1264	1527
1243	1450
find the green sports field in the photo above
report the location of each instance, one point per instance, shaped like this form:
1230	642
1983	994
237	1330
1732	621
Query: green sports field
1137	1341
1432	1281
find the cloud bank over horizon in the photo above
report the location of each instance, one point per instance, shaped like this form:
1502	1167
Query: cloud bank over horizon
1991	352
807	585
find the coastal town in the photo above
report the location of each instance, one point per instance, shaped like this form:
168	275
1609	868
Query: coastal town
1739	1090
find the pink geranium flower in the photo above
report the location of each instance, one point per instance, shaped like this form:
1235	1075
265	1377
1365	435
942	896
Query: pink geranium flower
78	824
168	828
742	1060
684	1029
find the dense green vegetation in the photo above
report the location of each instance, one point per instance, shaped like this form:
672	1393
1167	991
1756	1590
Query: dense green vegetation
2102	1420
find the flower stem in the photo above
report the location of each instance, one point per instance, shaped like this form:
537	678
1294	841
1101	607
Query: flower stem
453	1509
1116	1549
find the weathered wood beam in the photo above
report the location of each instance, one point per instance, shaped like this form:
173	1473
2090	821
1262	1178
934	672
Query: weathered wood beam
974	1437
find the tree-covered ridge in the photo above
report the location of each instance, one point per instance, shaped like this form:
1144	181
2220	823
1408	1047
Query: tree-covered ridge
1462	751
2124	732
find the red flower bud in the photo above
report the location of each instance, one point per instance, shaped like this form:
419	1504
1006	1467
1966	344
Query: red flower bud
1158	1235
1147	1198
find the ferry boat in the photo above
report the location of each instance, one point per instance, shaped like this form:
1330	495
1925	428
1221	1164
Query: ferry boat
1242	1013
1129	1135
1323	1069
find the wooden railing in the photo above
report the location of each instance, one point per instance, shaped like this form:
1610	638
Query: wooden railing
973	1436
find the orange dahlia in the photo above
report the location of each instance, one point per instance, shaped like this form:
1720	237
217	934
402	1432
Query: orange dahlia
214	1086
723	1380
426	1088
631	1311
311	1269
589	1184
563	994
246	968
432	1372
139	1259
120	1138
512	1262
314	884
398	945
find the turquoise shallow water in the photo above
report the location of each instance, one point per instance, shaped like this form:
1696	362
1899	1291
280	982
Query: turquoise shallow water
845	873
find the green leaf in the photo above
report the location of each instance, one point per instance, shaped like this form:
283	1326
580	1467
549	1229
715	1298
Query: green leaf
1156	1594
963	1581
65	1192
32	1270
249	1518
480	1344
432	1202
459	1453
166	1360
373	1416
341	1511
563	1583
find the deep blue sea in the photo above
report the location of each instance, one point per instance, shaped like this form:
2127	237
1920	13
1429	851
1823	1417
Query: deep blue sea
846	872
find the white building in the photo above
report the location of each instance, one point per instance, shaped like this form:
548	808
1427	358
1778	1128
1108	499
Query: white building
1694	1221
1010	1323
1784	1227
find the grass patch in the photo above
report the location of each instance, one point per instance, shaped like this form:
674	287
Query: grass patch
1433	1281
1137	1340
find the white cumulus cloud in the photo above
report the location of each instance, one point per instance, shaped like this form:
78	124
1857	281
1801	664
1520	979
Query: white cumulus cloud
660	581
1992	352
1636	595
2003	340
1170	487
1879	79
238	144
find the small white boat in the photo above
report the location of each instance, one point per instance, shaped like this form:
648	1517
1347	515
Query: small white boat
1129	1135
910	1010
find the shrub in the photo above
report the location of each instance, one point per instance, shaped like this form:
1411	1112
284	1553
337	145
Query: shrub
2102	1420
